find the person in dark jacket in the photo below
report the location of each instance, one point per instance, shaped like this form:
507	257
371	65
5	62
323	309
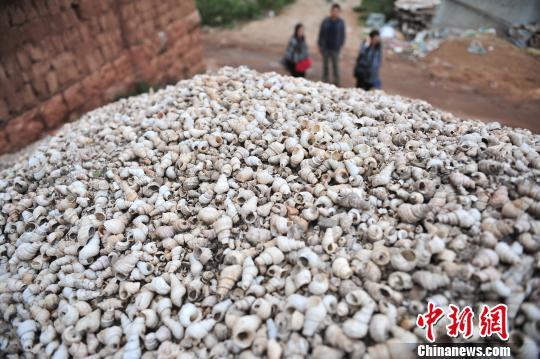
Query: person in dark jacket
331	40
368	63
297	50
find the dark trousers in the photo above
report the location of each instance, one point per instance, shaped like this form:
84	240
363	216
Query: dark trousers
333	57
363	84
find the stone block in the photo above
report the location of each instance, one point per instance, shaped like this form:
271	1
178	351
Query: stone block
54	111
52	81
24	129
4	143
4	110
74	96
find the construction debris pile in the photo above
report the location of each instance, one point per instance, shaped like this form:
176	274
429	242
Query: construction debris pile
525	35
415	15
259	215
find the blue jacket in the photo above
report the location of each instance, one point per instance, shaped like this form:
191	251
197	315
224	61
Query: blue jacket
326	40
368	63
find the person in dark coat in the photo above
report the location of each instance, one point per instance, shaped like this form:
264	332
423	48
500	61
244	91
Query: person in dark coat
368	63
296	51
331	40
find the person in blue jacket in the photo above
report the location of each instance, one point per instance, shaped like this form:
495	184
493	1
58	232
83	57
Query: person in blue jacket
368	63
331	40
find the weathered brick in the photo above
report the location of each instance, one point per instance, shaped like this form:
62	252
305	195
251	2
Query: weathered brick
10	65
123	66
54	111
68	19
36	54
93	26
65	4
109	21
4	143
41	8
108	52
15	84
107	74
105	5
28	96
3	75
53	43
4	19
26	76
53	6
10	39
29	10
40	68
92	84
15	101
71	73
23	58
128	10
94	61
24	128
39	85
86	35
16	15
87	9
52	81
36	29
192	20
141	58
4	110
148	27
177	29
72	36
74	96
93	89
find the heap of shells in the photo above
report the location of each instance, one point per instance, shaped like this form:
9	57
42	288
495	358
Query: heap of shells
253	215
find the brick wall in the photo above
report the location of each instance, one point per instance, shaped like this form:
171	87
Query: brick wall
61	58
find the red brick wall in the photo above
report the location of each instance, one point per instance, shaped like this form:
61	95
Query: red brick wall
61	58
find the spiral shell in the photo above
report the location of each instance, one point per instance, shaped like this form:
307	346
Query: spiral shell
413	213
429	280
458	179
269	256
287	244
315	313
228	278
461	218
244	329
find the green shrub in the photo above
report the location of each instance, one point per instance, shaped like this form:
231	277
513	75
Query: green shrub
225	12
383	6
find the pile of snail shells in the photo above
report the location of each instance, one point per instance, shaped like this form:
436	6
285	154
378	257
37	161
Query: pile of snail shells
240	214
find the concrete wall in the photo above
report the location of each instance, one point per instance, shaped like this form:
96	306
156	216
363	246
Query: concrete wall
473	14
61	58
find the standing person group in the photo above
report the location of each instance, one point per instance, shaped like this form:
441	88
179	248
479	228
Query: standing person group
330	42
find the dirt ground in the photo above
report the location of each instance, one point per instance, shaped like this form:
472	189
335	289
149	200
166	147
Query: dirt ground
502	85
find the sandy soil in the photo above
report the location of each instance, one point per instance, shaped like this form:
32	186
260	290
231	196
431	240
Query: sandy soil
502	85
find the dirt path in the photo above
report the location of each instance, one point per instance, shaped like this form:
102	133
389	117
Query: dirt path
468	86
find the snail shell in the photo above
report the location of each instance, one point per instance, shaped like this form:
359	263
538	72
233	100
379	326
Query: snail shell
244	330
228	278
